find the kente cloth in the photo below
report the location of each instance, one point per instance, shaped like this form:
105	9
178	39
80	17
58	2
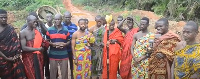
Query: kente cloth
83	54
141	70
126	56
97	50
10	47
114	54
187	62
33	61
161	68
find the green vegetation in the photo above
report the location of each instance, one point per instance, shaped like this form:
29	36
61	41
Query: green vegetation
21	8
172	9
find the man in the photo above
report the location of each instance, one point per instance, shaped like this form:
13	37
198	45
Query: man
31	42
161	59
119	19
71	28
113	40
49	19
140	43
81	40
58	54
11	65
40	25
186	61
98	32
126	58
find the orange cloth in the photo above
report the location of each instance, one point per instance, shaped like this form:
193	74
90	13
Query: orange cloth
161	68
126	56
37	41
114	54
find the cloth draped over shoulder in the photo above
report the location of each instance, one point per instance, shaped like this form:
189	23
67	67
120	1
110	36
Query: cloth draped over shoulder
10	47
83	54
114	53
161	68
33	61
126	56
187	62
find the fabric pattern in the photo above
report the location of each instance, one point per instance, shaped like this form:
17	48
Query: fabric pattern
126	56
10	47
161	68
83	53
187	61
97	51
141	71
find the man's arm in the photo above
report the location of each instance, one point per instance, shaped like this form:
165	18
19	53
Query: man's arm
172	70
73	44
133	43
23	43
91	29
120	26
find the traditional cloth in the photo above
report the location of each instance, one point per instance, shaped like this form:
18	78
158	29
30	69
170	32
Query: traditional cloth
97	50
33	61
161	68
141	70
187	62
126	56
114	54
10	47
83	54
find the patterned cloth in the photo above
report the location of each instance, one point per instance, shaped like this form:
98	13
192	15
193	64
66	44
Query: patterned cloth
33	61
141	71
187	62
165	44
83	53
10	47
126	57
97	50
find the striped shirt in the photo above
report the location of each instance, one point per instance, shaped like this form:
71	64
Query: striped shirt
55	35
71	28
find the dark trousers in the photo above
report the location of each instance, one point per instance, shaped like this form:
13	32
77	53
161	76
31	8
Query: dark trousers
71	63
46	64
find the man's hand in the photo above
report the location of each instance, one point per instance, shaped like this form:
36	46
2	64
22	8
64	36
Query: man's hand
136	61
41	49
112	41
11	59
107	44
160	55
76	61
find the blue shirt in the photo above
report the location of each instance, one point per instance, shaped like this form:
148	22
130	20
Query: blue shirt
71	28
56	35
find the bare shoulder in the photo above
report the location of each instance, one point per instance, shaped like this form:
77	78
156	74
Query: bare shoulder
23	32
74	35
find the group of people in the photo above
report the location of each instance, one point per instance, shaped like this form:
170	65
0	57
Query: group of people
104	50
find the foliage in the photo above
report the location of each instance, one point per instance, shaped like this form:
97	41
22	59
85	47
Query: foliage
172	9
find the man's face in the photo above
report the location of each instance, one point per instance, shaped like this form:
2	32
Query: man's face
189	33
49	18
112	25
161	27
82	25
3	19
57	21
33	22
143	25
129	23
99	22
67	18
119	20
